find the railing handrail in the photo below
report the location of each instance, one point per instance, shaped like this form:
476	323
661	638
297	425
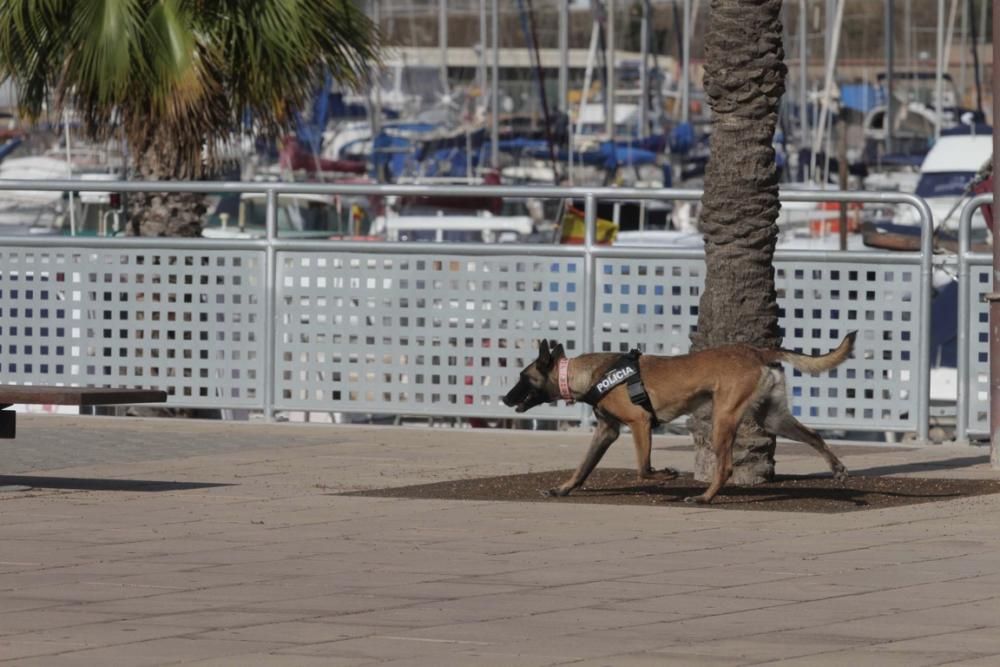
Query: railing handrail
387	190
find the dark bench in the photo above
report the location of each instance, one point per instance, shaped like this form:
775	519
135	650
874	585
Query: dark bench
78	396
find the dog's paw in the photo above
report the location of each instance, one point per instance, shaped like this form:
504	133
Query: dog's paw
664	475
553	493
841	475
695	500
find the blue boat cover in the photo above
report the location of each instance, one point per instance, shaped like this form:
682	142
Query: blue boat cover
861	97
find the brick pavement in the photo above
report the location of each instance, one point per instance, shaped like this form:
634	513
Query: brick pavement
153	542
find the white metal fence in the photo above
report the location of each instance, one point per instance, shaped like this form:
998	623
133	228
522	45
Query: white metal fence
975	270
432	329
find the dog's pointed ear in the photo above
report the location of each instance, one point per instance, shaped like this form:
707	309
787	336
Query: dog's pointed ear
544	355
557	351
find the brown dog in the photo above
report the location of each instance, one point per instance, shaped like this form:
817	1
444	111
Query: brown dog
735	378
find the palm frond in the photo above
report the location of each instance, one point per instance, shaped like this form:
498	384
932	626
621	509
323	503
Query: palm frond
180	74
106	35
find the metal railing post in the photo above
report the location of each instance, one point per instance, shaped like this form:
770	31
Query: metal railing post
926	293
964	315
589	272
270	307
589	280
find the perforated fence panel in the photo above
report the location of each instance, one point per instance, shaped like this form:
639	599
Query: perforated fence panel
408	334
819	304
977	401
652	304
188	322
395	333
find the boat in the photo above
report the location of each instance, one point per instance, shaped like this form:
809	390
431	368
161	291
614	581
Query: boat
590	126
33	212
483	228
304	216
296	158
947	175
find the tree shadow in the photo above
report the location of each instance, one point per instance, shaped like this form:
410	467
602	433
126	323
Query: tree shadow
924	466
816	493
99	484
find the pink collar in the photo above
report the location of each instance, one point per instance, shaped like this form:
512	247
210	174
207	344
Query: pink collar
564	392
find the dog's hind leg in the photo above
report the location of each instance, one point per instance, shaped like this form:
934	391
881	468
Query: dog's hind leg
728	410
642	436
724	426
781	423
606	433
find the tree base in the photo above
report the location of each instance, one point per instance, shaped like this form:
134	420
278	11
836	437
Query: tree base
166	214
753	453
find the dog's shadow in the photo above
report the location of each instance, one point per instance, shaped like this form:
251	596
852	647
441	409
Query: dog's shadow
785	489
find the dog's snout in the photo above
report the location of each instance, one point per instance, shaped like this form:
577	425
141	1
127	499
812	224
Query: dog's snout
517	394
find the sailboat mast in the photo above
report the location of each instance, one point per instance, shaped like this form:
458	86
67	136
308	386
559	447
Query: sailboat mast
609	94
495	90
376	121
686	62
939	73
950	34
443	42
563	55
644	71
890	32
588	79
831	64
531	36
482	52
962	54
976	70
803	73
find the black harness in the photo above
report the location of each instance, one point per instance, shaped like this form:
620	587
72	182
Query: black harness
626	370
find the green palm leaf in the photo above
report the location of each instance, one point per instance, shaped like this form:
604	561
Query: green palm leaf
180	73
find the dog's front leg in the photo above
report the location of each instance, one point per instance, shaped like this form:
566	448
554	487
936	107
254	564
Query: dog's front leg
605	434
642	436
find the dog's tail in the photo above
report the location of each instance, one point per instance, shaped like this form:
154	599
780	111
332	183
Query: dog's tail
820	363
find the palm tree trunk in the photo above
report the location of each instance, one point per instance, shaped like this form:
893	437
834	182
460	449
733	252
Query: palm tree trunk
744	81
